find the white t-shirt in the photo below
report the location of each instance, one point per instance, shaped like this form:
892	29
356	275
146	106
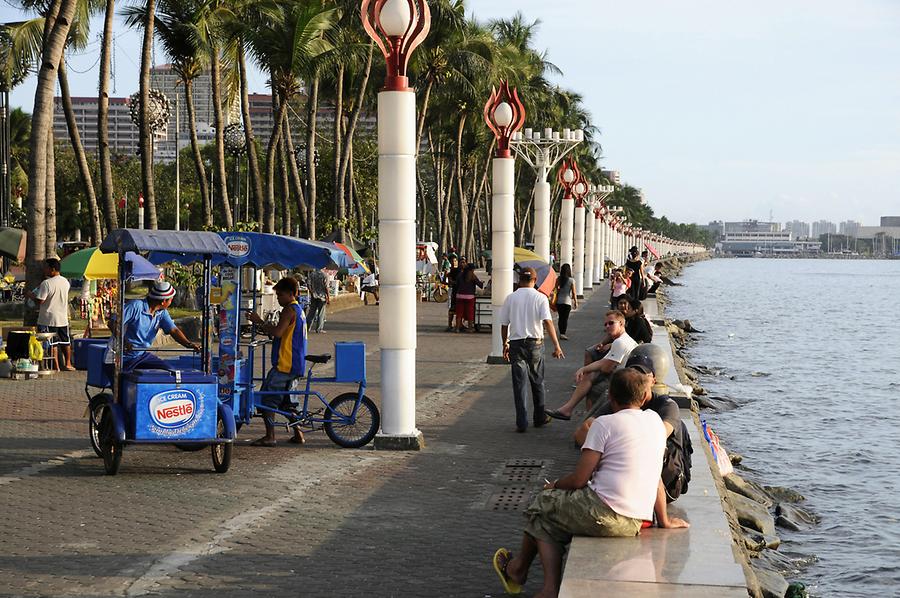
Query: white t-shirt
620	349
524	312
632	443
54	311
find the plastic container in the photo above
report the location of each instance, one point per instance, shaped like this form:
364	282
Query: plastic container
350	361
96	374
81	356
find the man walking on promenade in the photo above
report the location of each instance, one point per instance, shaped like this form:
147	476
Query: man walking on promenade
318	299
522	318
610	493
52	297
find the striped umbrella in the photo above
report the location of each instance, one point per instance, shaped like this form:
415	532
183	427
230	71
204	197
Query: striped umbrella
12	243
354	255
546	276
92	264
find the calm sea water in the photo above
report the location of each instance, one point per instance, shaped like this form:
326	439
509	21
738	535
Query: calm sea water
810	349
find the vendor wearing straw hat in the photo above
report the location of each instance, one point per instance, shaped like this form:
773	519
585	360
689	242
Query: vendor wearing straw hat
143	318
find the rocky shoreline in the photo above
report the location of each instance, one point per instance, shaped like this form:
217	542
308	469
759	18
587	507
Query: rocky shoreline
754	510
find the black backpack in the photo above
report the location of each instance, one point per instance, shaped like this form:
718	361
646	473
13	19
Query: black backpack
676	471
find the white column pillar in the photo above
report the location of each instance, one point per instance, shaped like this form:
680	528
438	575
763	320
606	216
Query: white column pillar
590	243
502	243
599	251
578	259
566	226
542	216
397	242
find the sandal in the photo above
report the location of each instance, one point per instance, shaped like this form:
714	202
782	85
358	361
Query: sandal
501	560
557	414
263	442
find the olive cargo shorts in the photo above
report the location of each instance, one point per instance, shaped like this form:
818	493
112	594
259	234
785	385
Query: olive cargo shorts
557	515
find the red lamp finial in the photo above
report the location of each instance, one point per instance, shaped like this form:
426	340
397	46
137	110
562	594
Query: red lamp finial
568	175
398	27
504	115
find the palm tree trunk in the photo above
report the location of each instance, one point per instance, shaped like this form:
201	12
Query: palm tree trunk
252	158
50	220
296	179
460	190
312	107
80	157
285	227
106	178
268	220
58	19
420	127
345	152
340	212
195	151
145	138
219	124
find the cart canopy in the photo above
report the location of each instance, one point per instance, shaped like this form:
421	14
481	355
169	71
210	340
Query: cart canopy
259	250
199	243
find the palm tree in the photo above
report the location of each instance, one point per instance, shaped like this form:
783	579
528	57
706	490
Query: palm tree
284	46
58	20
177	30
106	181
145	135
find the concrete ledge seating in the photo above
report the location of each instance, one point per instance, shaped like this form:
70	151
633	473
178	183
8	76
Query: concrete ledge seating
697	562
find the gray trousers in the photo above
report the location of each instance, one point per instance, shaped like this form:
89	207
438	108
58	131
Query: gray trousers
526	357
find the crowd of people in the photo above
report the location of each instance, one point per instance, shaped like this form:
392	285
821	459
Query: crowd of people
634	448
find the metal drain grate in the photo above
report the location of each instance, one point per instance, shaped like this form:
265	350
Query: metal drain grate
525	463
510	498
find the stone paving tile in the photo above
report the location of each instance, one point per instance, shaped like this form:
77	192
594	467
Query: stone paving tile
310	521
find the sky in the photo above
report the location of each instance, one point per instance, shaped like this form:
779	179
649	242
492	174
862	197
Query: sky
716	109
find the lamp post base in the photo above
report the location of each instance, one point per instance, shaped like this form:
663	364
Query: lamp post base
400	442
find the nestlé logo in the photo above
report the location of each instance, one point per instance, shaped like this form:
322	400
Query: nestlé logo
173	408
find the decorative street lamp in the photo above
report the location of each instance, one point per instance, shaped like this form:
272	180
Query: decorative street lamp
567	176
397	27
542	152
504	115
236	145
580	191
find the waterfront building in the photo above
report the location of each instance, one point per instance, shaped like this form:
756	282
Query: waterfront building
823	227
849	228
765	242
798	228
751	226
890	221
884	240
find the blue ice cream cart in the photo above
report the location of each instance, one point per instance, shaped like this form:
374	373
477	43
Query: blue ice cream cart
180	405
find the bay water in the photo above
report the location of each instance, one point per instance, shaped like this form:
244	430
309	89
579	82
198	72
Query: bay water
810	351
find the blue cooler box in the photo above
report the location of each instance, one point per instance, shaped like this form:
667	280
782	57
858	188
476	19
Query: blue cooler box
81	350
350	362
96	374
163	409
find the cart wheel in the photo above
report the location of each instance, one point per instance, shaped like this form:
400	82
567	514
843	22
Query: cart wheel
221	453
110	447
440	295
362	430
96	407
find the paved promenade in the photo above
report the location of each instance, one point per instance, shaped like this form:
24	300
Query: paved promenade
303	521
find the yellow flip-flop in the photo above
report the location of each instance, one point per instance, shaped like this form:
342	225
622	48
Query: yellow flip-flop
501	560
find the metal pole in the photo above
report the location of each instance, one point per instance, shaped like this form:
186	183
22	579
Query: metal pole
5	187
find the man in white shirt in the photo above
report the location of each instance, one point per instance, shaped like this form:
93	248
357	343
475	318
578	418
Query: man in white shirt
615	353
52	297
522	318
610	493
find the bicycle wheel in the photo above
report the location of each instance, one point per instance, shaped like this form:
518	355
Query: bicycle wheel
352	432
110	447
96	407
440	294
221	453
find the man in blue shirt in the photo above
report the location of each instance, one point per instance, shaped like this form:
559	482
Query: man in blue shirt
143	319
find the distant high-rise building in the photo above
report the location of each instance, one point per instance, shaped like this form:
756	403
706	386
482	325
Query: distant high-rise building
612	176
799	229
123	135
849	228
890	221
751	226
823	227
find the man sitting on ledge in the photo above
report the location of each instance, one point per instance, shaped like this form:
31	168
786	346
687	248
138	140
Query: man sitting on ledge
610	493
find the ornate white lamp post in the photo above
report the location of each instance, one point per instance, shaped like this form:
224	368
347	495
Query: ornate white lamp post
542	150
504	115
567	176
580	191
397	27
